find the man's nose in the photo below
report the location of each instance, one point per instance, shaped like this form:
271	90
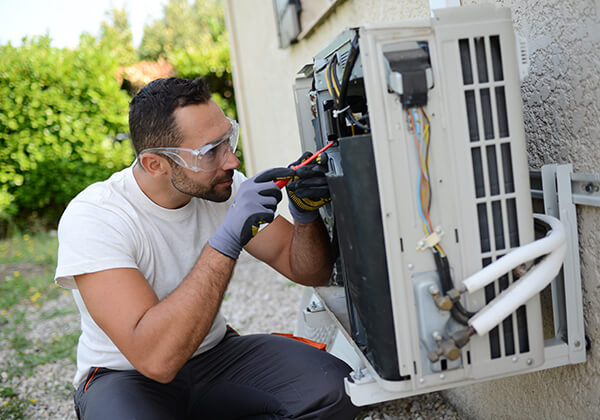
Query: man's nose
231	161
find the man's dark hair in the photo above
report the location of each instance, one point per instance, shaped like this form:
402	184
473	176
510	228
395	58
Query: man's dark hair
151	119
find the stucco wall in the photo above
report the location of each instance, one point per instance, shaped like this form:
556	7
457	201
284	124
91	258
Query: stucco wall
561	100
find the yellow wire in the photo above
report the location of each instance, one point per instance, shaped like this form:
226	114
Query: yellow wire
440	250
331	82
424	173
426	134
327	81
337	90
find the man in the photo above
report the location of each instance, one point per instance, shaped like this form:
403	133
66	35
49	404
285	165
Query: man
149	286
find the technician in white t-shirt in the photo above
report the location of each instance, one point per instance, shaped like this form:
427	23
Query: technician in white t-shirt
149	254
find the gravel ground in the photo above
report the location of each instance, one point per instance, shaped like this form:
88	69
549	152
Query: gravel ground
257	300
261	300
49	387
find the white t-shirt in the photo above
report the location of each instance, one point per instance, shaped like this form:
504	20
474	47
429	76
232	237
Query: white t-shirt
113	224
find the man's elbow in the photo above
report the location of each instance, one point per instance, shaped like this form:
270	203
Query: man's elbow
158	370
313	280
158	374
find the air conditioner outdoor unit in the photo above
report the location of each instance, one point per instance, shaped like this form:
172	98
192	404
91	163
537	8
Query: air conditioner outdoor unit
430	186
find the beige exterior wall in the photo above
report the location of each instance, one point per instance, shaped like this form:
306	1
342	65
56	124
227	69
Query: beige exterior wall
561	99
264	74
561	106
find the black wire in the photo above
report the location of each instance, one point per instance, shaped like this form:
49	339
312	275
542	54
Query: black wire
352	56
333	80
460	308
356	121
443	269
458	316
341	99
458	311
329	70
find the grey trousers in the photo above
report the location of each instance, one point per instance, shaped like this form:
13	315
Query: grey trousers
244	377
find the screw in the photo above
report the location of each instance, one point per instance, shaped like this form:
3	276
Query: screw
515	359
421	380
436	335
577	343
590	188
529	362
434	290
411	266
421	244
438	230
442	376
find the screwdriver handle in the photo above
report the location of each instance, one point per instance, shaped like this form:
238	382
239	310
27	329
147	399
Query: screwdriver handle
283	182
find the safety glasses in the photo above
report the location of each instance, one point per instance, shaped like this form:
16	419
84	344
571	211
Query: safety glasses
208	157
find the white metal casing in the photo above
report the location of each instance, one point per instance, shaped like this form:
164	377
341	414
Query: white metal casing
454	205
498	191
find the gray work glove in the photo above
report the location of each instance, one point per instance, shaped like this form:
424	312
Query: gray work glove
253	205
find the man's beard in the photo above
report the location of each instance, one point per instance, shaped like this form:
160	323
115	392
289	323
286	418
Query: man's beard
207	192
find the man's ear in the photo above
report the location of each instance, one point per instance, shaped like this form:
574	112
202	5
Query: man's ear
155	165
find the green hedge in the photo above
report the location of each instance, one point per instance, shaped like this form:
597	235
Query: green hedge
60	111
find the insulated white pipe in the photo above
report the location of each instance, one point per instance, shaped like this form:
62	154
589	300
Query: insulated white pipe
520	255
519	292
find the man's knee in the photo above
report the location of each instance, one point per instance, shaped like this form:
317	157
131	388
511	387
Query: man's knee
323	390
336	403
116	395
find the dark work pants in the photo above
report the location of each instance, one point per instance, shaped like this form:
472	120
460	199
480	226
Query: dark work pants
244	377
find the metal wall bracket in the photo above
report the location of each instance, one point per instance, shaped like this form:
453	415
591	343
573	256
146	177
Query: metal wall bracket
561	190
585	188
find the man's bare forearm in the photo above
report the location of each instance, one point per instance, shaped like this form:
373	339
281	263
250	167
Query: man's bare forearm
311	258
176	326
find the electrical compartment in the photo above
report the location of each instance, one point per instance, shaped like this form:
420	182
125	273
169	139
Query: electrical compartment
430	185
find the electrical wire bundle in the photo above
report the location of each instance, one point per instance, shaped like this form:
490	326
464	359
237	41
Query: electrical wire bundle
339	91
420	125
421	131
552	247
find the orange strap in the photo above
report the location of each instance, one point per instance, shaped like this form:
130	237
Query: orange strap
315	344
88	381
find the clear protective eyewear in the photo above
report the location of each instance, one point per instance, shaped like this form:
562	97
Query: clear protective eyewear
206	158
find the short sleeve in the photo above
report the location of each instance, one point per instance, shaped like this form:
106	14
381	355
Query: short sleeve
92	238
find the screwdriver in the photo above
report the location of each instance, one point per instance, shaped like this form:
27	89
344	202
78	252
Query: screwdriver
283	182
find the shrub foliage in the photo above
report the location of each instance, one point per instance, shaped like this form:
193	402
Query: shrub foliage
191	35
60	111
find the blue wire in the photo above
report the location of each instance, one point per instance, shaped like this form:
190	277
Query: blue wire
420	206
418	134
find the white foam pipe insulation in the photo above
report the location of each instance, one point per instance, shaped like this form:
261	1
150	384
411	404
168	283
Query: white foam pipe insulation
513	259
529	285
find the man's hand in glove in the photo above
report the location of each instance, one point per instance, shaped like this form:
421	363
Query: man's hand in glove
307	189
253	205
